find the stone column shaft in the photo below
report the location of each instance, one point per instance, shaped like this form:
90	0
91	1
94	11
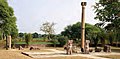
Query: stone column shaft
9	42
83	4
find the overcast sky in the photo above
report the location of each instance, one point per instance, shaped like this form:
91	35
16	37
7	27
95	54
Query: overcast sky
32	13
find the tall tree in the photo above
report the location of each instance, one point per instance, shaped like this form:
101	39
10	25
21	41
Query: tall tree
48	28
109	11
28	38
7	19
74	31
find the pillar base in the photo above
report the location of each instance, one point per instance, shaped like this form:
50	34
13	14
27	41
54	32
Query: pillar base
82	50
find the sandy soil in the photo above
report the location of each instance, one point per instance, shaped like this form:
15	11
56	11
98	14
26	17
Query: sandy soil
16	54
71	57
5	54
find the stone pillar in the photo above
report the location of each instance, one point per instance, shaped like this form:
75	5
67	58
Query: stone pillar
83	4
9	42
87	46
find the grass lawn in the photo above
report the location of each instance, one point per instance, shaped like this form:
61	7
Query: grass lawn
34	43
38	38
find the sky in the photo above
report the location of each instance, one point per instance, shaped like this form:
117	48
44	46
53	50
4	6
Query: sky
31	14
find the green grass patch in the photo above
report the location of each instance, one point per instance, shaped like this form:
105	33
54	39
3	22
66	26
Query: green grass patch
41	43
20	43
35	43
38	38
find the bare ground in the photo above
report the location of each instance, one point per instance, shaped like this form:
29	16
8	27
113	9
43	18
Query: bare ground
70	57
5	54
16	54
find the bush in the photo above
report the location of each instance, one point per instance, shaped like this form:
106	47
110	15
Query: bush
55	42
62	40
28	38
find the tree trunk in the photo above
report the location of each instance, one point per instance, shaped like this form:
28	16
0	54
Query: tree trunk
6	42
54	45
103	42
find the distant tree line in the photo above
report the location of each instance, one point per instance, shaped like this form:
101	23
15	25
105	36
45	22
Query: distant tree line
34	35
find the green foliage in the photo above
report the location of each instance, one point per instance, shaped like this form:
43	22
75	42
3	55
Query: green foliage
21	35
7	20
35	35
34	43
109	11
111	37
14	33
28	38
54	40
74	31
62	40
0	35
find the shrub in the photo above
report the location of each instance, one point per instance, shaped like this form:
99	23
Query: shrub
62	40
55	42
28	38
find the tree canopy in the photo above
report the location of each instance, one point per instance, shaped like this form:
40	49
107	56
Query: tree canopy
35	35
48	28
74	31
108	12
7	20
